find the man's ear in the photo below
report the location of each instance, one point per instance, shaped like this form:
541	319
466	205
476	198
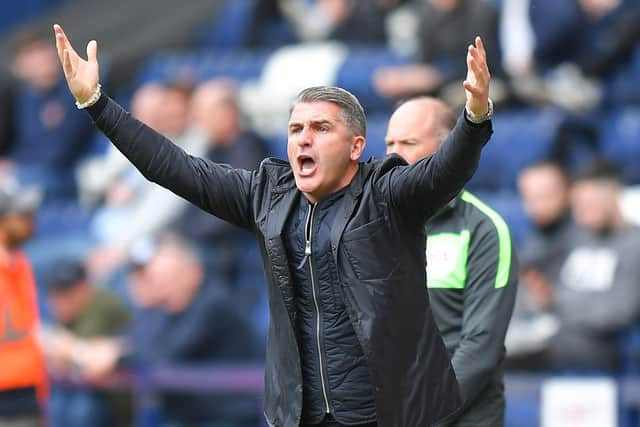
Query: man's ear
357	147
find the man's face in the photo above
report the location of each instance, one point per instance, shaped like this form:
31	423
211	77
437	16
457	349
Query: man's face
322	150
594	203
412	133
544	193
38	64
18	228
66	304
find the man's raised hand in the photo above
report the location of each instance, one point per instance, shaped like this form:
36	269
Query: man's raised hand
82	76
476	85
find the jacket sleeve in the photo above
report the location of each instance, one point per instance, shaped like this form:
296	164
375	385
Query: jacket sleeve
215	188
419	190
489	297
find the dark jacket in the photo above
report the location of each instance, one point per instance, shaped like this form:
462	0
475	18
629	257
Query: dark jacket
334	369
378	244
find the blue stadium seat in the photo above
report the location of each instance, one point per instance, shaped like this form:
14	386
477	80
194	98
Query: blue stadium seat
623	88
15	13
229	28
356	73
196	66
376	131
520	138
522	413
277	146
630	350
508	204
620	141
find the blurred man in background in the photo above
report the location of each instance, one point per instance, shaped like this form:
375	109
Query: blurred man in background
445	29
84	313
597	296
23	382
544	190
216	115
471	270
42	114
182	320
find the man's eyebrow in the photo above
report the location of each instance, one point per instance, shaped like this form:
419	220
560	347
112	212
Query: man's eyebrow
410	141
318	122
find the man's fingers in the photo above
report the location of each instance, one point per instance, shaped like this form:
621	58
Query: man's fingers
477	65
66	63
59	48
478	69
475	53
480	46
66	44
474	90
92	51
59	42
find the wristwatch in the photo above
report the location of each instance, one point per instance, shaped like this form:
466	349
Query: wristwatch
474	118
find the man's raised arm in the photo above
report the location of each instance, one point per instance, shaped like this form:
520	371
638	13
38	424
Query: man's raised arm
219	189
421	189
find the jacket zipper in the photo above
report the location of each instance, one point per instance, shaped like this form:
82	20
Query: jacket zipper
307	253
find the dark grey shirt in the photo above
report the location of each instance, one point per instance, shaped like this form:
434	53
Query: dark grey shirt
472	279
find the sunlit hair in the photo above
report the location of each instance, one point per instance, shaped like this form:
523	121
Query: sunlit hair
352	111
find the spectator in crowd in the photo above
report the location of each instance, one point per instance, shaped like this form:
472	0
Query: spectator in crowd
23	381
83	313
471	269
215	113
571	46
597	295
446	28
348	21
183	320
43	113
544	189
133	206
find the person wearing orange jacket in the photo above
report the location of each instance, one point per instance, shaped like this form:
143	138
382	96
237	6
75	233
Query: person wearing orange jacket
23	379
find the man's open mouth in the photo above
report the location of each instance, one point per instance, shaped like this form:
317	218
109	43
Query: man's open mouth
306	165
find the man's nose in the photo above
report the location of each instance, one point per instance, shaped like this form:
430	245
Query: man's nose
305	137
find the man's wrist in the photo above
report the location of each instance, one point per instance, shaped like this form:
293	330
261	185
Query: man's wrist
479	118
95	97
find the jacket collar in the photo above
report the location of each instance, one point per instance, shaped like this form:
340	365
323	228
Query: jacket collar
286	195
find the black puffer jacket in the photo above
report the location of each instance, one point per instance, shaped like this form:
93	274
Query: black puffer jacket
335	376
377	242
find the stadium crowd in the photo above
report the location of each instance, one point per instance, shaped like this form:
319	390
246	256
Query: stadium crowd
130	277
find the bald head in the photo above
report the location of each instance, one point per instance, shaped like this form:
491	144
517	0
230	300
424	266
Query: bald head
418	127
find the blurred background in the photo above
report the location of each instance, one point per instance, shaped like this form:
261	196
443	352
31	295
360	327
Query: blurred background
154	313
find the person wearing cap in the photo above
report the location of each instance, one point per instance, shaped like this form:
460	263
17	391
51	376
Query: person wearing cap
84	314
23	380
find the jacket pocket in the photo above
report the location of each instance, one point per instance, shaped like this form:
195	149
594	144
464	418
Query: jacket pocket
365	231
370	251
